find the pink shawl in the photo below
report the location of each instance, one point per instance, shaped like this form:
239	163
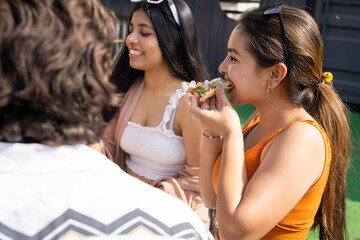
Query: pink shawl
184	184
110	142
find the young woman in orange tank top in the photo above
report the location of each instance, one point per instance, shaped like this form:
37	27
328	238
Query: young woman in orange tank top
284	172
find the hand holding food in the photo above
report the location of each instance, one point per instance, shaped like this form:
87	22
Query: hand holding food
206	89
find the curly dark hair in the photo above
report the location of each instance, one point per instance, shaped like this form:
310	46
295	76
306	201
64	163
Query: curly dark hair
53	70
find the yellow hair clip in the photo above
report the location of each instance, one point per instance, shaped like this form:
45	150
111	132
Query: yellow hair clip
328	77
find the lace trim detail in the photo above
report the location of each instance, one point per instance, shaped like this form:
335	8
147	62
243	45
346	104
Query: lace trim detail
173	104
166	132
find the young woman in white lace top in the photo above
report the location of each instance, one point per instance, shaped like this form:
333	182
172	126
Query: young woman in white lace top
162	141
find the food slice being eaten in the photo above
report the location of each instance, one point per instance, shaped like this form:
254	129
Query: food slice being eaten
206	89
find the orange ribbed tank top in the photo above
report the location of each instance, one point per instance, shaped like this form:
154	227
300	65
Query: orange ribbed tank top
297	223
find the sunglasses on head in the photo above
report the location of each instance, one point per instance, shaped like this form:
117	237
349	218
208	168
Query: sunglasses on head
171	6
276	10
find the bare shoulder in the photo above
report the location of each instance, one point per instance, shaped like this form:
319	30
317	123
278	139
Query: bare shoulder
184	105
301	135
184	121
301	146
304	132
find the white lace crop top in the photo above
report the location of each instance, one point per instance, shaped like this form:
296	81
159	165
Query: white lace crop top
155	152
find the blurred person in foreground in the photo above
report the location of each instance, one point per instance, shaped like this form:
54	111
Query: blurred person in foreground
284	172
53	88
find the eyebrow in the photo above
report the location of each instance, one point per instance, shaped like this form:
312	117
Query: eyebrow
233	50
143	25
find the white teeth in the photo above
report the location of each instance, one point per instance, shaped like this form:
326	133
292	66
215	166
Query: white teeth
136	52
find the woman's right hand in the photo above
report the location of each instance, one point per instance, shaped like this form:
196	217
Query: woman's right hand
216	114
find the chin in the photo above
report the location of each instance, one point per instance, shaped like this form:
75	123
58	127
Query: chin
136	66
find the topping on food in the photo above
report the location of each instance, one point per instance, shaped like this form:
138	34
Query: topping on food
206	89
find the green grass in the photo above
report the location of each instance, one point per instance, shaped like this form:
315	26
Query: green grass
352	218
353	175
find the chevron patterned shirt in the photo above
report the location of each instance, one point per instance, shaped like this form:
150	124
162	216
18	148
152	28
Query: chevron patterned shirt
75	192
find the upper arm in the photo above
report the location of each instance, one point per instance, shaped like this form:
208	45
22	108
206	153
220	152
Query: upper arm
191	130
290	165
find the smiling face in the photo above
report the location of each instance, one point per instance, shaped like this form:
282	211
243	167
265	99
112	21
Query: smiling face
145	53
241	68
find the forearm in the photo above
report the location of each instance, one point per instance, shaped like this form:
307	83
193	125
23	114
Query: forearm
211	151
231	184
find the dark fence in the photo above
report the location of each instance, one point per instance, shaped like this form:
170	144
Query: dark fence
339	22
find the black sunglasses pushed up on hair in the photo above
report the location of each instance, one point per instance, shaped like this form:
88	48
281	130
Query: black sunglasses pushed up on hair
277	10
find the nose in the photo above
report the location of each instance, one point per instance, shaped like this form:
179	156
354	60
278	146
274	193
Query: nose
131	39
223	67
